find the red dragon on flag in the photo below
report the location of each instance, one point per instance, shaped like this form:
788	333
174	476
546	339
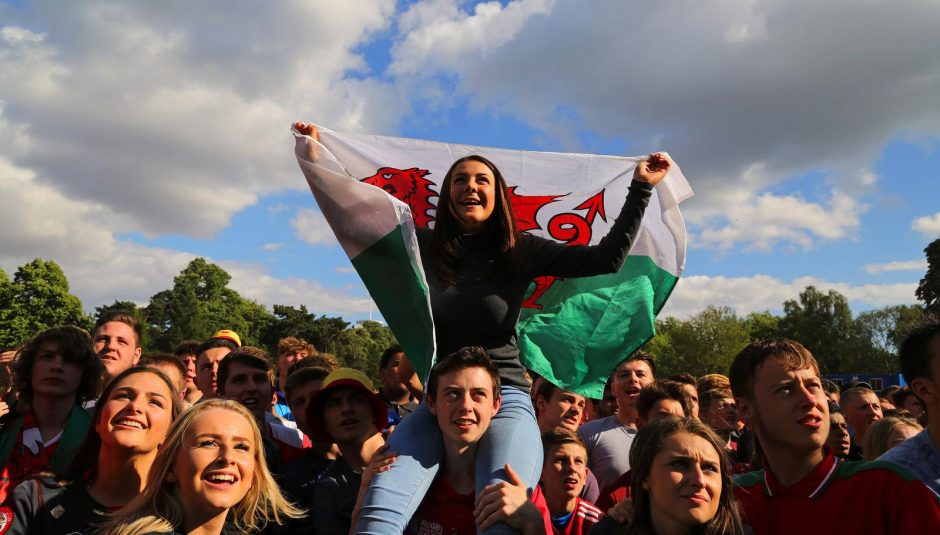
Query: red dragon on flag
412	188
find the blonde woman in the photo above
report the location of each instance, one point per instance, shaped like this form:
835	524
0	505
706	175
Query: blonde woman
211	471
888	433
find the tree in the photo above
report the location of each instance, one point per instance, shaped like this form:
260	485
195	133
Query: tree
199	304
885	328
291	321
37	298
361	347
824	324
706	343
928	290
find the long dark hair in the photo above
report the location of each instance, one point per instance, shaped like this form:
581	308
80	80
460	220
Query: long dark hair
447	229
84	465
648	443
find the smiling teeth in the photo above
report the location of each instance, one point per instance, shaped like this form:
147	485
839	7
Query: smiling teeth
221	478
131	423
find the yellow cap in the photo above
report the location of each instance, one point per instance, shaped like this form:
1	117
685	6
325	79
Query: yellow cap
229	335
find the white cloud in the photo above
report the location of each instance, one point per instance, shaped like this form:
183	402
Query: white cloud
907	265
346	269
929	225
762	292
310	226
174	120
272	247
779	87
254	282
764	221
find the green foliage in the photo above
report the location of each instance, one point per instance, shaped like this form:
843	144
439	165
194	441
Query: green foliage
928	290
362	346
37	298
705	343
291	321
199	304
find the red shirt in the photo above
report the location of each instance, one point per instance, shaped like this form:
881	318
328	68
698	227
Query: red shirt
445	512
621	489
29	456
583	518
839	497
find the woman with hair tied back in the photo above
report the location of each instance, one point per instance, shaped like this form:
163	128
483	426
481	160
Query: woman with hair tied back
209	476
479	269
682	483
131	420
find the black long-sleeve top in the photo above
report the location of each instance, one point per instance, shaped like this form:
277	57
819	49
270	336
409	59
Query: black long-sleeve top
482	307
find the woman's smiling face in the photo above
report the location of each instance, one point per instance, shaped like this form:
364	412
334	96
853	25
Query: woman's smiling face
472	195
215	465
137	413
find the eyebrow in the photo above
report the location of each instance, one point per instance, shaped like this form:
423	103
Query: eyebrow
218	436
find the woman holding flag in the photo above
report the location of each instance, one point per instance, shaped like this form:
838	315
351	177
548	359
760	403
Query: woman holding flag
479	269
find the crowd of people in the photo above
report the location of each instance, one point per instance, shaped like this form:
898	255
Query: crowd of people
220	438
224	438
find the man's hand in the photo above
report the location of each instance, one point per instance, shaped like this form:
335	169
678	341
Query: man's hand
508	501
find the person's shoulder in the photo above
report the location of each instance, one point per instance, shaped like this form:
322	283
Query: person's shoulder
599	425
749	480
883	470
588	510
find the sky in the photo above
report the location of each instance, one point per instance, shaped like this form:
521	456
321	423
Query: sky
136	136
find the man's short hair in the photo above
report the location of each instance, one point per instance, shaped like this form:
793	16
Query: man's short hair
75	346
684	378
706	398
855	391
830	387
303	376
662	389
560	436
745	364
901	396
712	381
639	354
467	357
293	344
253	357
154	360
388	354
188	347
914	352
213	343
121	317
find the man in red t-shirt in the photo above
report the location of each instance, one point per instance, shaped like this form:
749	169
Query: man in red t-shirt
563	475
463	393
803	487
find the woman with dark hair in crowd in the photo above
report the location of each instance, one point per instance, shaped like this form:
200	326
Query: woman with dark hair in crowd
479	269
209	475
53	374
131	421
682	483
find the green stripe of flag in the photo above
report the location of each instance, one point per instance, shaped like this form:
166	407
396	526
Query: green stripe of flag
398	288
602	319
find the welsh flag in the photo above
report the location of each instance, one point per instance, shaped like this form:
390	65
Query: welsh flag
375	190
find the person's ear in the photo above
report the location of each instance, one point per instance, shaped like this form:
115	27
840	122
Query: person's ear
170	476
540	403
496	404
645	484
746	412
926	390
137	353
432	406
